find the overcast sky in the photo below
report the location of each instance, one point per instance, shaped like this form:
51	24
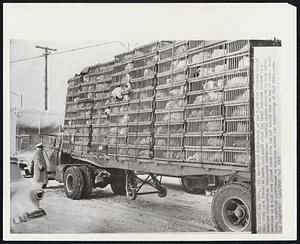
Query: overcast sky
27	77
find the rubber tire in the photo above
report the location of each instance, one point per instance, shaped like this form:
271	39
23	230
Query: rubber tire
118	183
234	189
131	194
162	191
87	181
75	172
189	189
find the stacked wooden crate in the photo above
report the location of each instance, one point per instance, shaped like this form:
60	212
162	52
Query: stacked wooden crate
181	101
118	118
83	137
217	81
205	96
141	106
170	102
103	74
69	127
237	104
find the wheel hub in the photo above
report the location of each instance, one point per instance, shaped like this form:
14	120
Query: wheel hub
240	212
236	214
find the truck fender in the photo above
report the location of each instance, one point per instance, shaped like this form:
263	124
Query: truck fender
60	170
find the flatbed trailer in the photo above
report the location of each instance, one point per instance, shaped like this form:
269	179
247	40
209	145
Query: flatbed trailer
187	111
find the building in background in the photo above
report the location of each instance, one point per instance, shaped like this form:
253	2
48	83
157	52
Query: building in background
27	124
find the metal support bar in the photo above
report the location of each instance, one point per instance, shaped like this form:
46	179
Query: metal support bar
133	187
148	193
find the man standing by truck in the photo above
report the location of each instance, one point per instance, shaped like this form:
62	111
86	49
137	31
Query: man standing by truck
40	166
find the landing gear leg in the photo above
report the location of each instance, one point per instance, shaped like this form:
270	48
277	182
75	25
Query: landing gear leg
133	188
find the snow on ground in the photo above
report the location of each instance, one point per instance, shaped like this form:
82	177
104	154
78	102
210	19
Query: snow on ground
105	212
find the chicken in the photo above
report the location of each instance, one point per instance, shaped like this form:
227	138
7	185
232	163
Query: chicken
212	126
241	127
146	141
242	159
243	96
128	67
161	142
145	153
147	72
208	85
200	72
170	105
168	80
125	119
179	77
196	157
138	53
198	100
191	159
117	93
122	109
197	58
131	152
244	62
196	113
214	142
181	130
122	151
115	110
241	143
216	157
176	116
173	142
180	49
168	154
160	93
160	130
123	131
180	64
178	91
112	140
179	155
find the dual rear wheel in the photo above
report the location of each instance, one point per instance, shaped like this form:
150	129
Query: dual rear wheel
78	182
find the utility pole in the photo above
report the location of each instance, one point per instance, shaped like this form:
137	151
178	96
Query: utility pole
46	84
19	96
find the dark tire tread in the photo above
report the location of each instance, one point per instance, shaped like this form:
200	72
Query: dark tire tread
78	184
87	181
245	188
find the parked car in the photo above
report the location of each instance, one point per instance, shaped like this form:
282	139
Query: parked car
25	195
26	166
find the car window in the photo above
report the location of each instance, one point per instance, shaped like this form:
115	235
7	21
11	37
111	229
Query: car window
15	173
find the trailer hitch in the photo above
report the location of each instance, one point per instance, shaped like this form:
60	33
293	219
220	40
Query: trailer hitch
133	187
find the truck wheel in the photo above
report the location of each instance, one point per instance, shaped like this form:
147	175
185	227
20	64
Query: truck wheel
162	191
118	185
187	186
131	193
87	181
231	208
73	182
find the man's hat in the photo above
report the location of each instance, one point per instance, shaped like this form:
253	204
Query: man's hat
40	145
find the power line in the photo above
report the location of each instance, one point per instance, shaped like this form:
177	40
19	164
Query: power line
69	50
24	59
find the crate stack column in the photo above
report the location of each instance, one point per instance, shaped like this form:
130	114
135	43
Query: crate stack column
237	107
170	102
205	96
83	136
118	119
141	107
103	76
69	129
